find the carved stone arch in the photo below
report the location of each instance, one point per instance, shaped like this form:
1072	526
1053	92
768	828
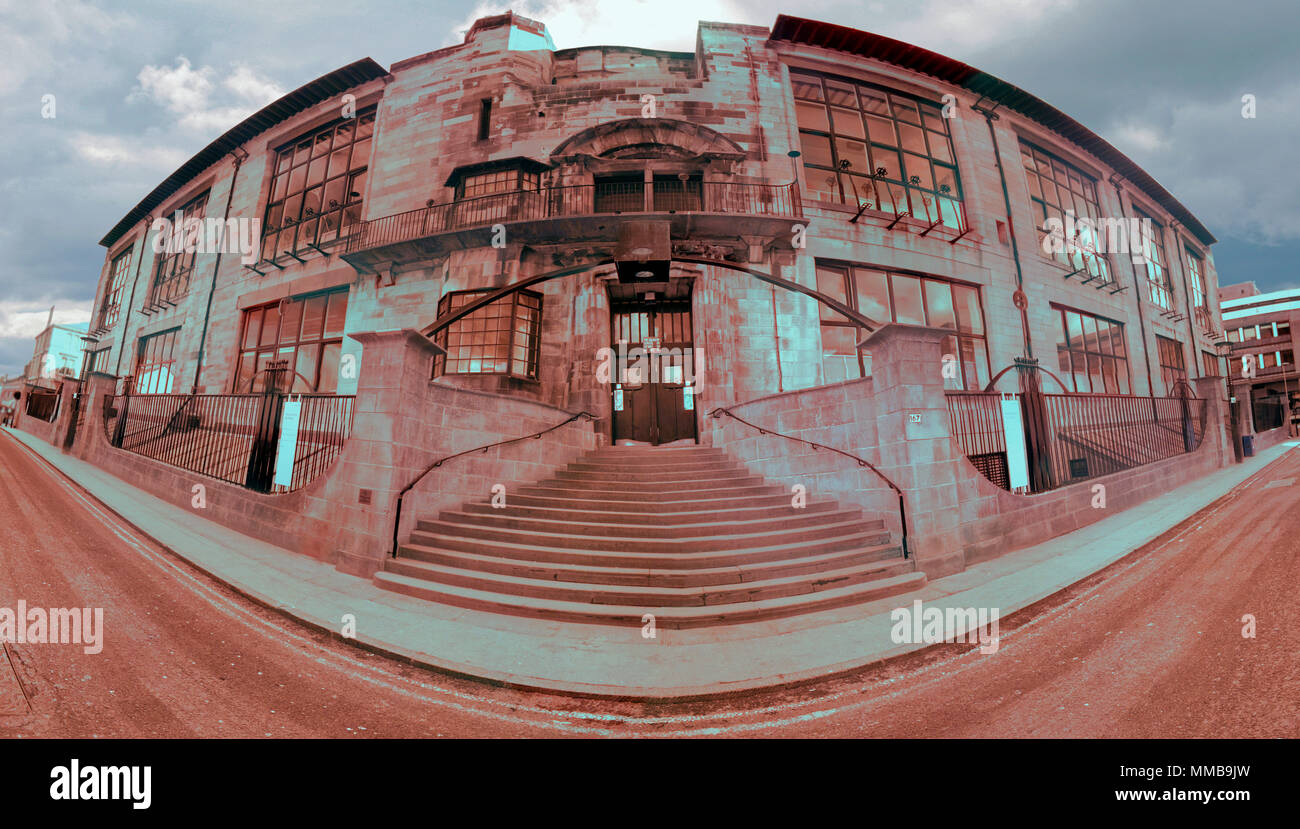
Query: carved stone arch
634	136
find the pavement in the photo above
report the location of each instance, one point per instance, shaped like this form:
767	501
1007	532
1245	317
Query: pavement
615	663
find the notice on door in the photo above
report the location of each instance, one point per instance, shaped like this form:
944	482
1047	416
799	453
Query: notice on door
288	444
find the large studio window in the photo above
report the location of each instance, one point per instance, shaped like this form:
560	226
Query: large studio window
319	184
109	311
305	331
155	363
1159	288
1200	298
866	145
499	338
1091	353
1055	189
176	264
908	299
1172	367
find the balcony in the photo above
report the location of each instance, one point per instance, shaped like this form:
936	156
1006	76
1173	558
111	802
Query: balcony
577	215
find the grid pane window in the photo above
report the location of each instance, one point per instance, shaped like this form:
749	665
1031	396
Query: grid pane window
902	298
1159	288
867	146
172	277
499	181
1210	364
155	363
1055	188
109	311
305	331
1090	353
98	360
1200	299
1172	367
318	186
499	338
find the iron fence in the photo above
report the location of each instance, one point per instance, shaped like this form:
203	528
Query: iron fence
977	424
43	404
1084	435
611	197
231	437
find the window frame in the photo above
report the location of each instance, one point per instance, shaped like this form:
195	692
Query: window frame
519	178
174	268
874	145
1099	356
532	349
850	281
145	360
1090	255
1170	372
93	358
111	308
274	348
309	227
1159	291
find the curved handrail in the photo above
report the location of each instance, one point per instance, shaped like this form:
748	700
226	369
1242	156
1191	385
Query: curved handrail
902	506
397	517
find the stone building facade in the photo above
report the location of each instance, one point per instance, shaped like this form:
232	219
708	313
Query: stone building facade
1262	330
525	127
817	229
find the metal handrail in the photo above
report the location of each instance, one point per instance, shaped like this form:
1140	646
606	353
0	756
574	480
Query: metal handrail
397	517
902	505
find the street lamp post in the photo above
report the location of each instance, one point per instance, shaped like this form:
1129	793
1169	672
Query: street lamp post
1224	348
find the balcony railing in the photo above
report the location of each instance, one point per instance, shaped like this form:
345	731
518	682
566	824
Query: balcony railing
601	198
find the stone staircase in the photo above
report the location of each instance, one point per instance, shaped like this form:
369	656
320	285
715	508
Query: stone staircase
684	533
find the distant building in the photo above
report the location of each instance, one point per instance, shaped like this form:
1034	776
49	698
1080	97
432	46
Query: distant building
58	354
1262	329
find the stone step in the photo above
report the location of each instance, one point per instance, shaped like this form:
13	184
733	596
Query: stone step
555	490
773	522
623	465
642	595
659	506
622	476
421	543
577	539
886	557
628	484
672	618
602	512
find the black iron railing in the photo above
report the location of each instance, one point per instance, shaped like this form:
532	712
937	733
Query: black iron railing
762	430
43	404
1086	435
397	512
232	437
601	198
977	425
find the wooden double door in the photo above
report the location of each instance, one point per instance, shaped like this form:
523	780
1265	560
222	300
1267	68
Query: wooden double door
654	380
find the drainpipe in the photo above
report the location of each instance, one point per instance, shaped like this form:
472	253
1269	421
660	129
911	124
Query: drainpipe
144	241
239	155
989	118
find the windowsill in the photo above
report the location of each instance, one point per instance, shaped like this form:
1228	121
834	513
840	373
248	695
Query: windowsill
487	378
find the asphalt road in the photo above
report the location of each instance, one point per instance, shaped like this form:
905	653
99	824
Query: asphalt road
1151	646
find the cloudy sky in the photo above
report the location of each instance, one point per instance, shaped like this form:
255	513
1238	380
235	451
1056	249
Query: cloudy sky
140	87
